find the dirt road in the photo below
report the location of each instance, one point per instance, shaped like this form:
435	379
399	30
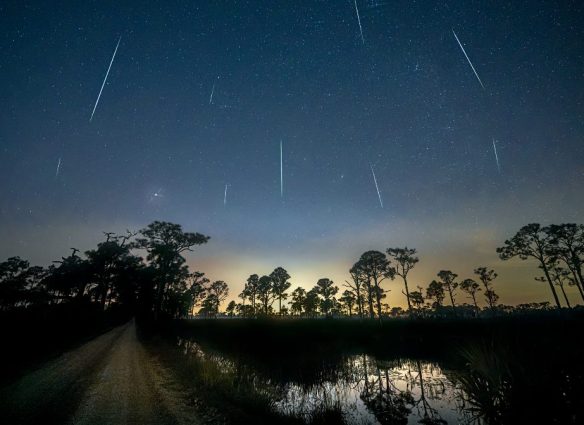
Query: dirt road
110	380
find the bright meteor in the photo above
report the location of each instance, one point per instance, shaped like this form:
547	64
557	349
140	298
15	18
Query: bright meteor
212	92
376	186
467	58
496	155
359	21
105	79
58	167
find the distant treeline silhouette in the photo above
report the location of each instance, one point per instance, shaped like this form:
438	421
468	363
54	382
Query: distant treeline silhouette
114	275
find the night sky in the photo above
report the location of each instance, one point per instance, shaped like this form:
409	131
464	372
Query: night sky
402	99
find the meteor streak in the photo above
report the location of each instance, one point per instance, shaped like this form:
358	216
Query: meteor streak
58	167
467	58
281	172
359	21
496	155
225	196
376	186
212	92
105	79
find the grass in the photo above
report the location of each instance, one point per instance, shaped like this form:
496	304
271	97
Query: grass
534	352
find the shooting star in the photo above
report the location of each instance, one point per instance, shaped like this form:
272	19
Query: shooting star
225	196
496	155
58	168
212	92
281	172
359	21
467	58
105	79
376	186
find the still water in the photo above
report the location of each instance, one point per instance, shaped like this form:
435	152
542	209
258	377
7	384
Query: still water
360	388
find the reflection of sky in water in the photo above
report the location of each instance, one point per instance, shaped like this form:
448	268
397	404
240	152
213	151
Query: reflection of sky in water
364	375
366	390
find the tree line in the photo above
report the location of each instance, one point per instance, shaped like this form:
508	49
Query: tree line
145	273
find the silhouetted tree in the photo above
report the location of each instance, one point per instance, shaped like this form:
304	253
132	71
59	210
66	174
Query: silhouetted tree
471	288
106	263
209	306
324	288
165	243
298	301
219	289
70	278
559	277
532	241
448	282
487	277
348	300
567	244
215	294
19	283
230	310
311	303
197	283
374	267
250	290
265	293
416	298
401	261
356	287
280	285
435	291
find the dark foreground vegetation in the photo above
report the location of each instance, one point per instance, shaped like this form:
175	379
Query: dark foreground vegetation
495	370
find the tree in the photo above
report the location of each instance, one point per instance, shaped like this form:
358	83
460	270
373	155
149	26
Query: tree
374	267
298	301
471	288
532	241
567	244
107	262
250	290
357	287
348	300
280	285
219	289
215	294
265	293
311	303
401	261
435	291
448	282
70	278
165	243
559	276
19	283
416	298
197	289
209	306
324	287
230	310
487	277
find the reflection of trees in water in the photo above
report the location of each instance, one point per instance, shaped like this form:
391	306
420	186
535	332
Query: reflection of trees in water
404	387
382	398
359	388
433	389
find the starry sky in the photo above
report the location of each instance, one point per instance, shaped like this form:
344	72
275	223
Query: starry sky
201	94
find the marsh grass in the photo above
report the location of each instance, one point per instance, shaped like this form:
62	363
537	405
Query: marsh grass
503	367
